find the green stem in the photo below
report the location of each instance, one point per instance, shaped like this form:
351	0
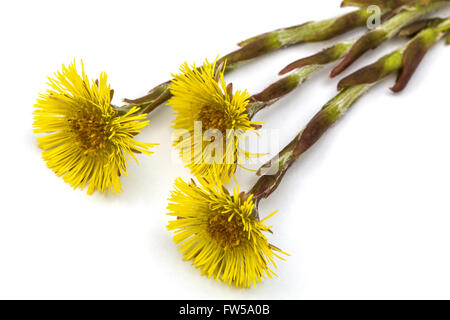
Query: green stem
263	44
300	71
318	125
405	59
279	89
146	104
372	39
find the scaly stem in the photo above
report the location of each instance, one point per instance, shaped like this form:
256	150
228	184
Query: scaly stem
303	69
405	60
318	125
266	43
406	15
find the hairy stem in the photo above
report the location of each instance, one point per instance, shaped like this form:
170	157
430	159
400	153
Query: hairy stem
405	15
268	42
405	60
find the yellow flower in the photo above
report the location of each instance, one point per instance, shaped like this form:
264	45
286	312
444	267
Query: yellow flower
221	233
200	95
87	141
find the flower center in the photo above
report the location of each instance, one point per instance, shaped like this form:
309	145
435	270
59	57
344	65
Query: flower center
228	233
90	132
212	118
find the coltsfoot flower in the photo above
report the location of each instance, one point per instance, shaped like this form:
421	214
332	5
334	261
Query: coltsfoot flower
221	233
205	105
87	142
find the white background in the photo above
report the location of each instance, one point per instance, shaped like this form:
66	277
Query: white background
364	214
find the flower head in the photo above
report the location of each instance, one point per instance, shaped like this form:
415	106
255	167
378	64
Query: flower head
221	233
213	117
87	141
